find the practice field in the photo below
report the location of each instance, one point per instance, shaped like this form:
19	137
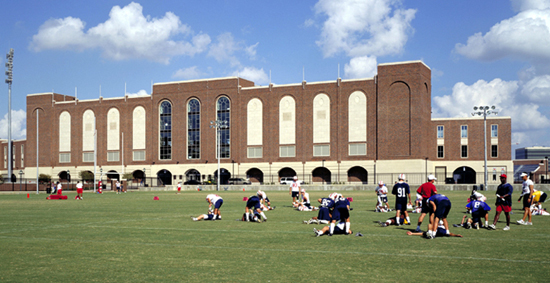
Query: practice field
132	238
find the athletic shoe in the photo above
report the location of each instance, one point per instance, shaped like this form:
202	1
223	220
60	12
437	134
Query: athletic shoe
306	222
457	225
520	222
468	225
258	220
194	219
418	229
477	226
358	234
506	228
492	227
408	223
529	223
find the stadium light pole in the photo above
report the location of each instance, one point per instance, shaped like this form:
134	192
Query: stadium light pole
484	111
218	125
9	80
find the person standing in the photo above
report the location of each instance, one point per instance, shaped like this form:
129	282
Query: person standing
59	189
402	193
527	195
294	190
79	190
382	194
426	190
503	202
179	187
117	184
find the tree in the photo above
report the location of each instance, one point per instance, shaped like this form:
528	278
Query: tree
128	176
44	178
86	176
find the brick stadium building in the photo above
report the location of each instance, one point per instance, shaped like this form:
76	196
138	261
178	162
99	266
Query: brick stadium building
359	130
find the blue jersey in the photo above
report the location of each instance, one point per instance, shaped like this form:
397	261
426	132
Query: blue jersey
327	202
253	201
341	203
502	190
437	198
401	192
478	207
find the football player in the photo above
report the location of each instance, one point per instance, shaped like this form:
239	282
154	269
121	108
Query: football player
382	198
439	207
340	212
402	193
340	228
209	216
264	201
392	221
324	215
479	209
441	232
253	206
305	205
217	202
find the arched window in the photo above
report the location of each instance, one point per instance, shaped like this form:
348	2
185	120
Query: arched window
165	126
193	129
223	114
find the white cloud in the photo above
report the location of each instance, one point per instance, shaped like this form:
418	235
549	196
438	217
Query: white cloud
525	36
503	94
139	93
18	124
361	67
364	27
251	51
188	73
258	76
538	89
127	34
522	5
223	50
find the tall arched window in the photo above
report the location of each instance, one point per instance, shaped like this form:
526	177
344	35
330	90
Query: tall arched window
223	114
193	129
165	126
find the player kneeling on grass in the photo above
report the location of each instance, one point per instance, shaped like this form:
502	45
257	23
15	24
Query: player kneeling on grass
339	229
392	221
79	190
209	216
440	232
478	209
324	215
252	206
305	205
340	212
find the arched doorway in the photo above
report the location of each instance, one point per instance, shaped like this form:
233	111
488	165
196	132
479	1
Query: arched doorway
464	175
63	176
224	176
286	172
138	175
113	175
358	174
165	176
321	175
255	175
192	174
87	176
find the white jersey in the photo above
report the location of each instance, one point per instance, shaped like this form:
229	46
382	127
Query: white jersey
305	199
382	191
79	186
262	195
295	186
59	187
213	198
525	189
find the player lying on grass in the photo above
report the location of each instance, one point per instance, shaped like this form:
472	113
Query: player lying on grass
392	221
253	207
440	232
305	204
209	216
536	211
324	215
339	229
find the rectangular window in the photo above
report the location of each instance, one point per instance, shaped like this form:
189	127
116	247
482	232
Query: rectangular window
440	151
464	151
494	150
463	131
139	155
112	156
440	133
358	149
64	158
5	157
287	151
255	152
321	150
22	156
87	157
494	131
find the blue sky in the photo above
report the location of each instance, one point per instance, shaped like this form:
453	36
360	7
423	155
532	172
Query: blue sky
480	52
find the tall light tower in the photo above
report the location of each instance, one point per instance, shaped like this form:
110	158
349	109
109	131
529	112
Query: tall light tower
9	79
484	111
218	125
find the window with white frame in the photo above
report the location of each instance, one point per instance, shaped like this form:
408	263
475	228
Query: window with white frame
440	133
463	131
87	157
358	149
22	156
255	152
287	151
139	155
321	150
113	156
494	131
64	158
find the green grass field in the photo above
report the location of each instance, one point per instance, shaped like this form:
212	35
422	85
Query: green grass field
132	238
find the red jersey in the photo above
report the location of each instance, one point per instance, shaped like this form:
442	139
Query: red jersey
427	190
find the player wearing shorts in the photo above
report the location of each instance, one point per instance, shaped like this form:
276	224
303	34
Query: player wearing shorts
402	194
382	198
324	214
440	232
340	212
209	216
439	206
253	205
393	221
339	229
538	198
294	190
217	202
79	190
479	209
527	195
426	190
503	202
179	187
264	200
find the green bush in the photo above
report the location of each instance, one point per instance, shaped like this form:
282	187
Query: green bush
44	178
